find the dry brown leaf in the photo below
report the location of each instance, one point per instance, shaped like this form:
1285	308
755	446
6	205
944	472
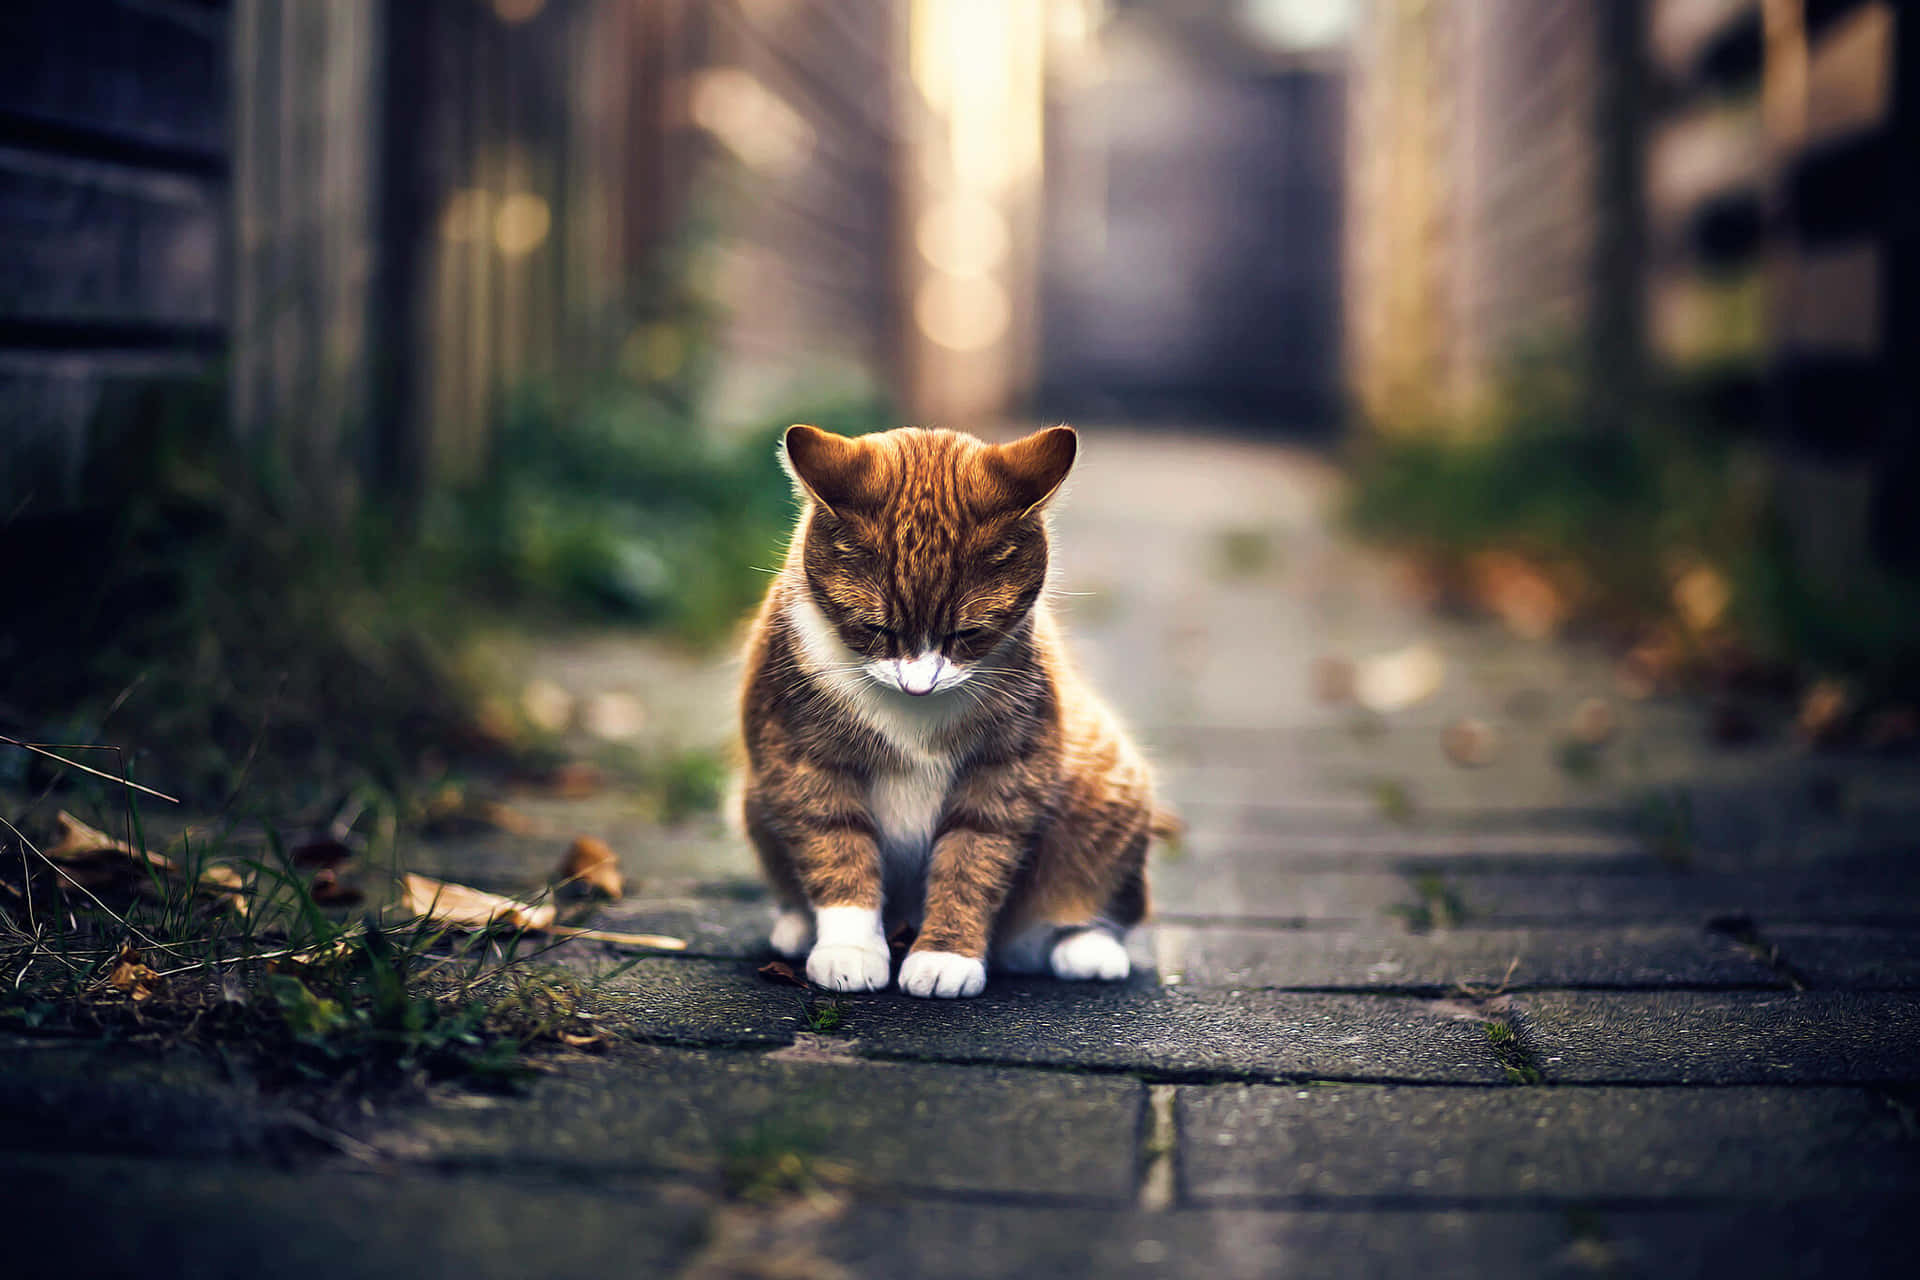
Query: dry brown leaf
1824	711
131	976
1470	743
462	907
1519	593
1701	596
781	971
592	863
1593	721
592	1040
79	842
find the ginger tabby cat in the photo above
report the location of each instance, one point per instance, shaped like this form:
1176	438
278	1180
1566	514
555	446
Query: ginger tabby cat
920	751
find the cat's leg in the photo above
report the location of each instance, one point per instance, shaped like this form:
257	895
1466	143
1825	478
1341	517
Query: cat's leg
815	856
968	876
1086	887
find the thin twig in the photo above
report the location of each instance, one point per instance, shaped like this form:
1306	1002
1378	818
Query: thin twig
98	773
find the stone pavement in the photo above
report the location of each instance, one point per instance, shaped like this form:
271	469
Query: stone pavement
1654	1011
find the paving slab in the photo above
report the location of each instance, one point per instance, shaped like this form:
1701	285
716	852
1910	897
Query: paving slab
893	1127
1447	959
1850	959
1135	1026
964	1242
1728	1037
60	1095
118	1217
1252	888
1610	1143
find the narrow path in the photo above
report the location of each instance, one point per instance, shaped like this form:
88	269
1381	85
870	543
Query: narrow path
1643	1007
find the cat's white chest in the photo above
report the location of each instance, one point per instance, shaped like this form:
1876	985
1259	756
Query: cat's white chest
906	807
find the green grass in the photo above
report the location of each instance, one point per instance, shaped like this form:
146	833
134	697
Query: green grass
1514	1058
824	1015
312	996
1618	510
1435	906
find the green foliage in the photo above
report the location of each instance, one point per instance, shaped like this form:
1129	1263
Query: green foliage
1623	507
620	504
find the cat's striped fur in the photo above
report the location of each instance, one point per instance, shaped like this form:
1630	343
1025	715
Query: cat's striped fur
920	751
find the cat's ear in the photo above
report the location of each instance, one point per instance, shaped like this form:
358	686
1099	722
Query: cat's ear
832	468
1034	468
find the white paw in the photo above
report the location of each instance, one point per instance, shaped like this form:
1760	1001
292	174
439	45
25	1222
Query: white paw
942	973
1091	953
843	966
792	933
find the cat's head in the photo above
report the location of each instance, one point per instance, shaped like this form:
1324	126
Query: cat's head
925	550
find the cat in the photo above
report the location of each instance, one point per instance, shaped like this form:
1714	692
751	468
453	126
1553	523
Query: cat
919	749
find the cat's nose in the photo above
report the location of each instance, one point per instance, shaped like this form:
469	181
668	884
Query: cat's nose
917	676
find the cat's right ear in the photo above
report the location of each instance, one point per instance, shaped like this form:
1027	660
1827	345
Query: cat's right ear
831	468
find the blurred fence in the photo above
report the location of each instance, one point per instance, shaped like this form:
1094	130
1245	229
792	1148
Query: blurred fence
113	214
1720	190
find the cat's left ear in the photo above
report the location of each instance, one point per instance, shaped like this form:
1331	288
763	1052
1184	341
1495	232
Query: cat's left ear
1033	469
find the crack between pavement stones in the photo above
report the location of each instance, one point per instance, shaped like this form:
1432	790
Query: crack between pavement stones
1745	934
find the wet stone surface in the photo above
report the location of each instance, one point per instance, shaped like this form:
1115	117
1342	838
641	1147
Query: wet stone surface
1324	1063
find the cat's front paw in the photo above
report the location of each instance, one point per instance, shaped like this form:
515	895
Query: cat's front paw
1090	954
844	966
942	973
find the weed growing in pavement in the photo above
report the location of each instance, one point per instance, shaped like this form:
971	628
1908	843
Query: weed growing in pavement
1512	1054
1436	906
222	946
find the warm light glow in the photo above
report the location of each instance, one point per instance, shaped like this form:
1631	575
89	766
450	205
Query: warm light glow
963	236
978	64
466	215
515	11
521	225
1298	25
962	313
750	120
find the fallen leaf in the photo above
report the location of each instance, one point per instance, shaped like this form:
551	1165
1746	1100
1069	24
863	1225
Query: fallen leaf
131	976
1593	721
573	1040
1701	596
1397	680
1471	744
1824	711
781	971
592	863
462	907
1519	593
